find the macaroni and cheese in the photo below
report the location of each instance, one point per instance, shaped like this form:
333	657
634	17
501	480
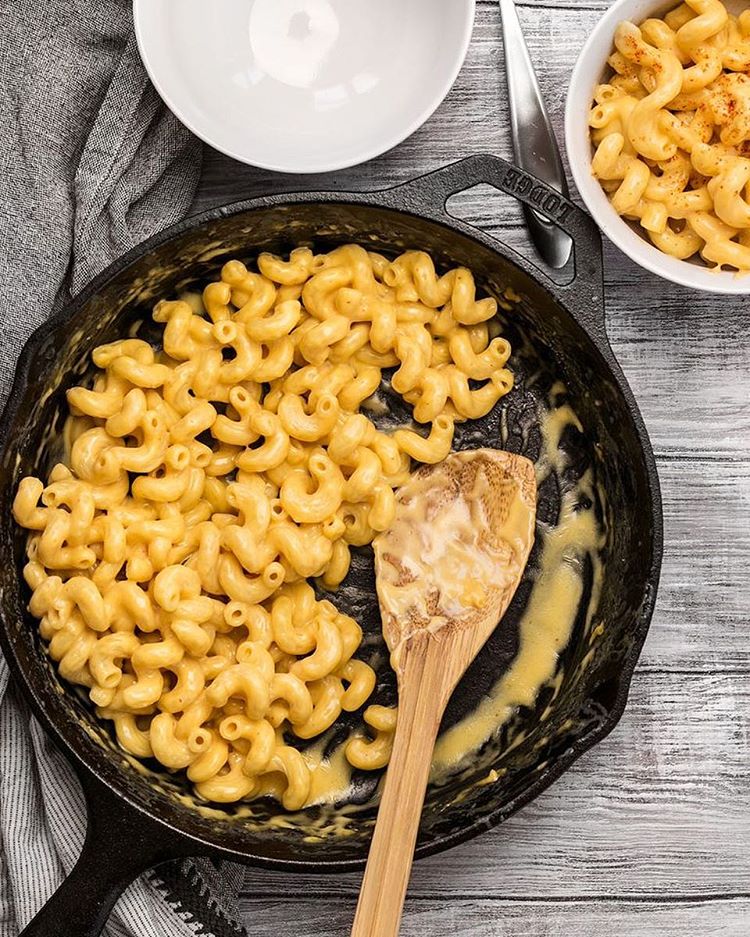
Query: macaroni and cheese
208	479
671	131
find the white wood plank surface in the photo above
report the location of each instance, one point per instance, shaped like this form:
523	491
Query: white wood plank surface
575	918
649	834
702	619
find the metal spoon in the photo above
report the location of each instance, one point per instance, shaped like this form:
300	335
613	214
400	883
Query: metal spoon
534	145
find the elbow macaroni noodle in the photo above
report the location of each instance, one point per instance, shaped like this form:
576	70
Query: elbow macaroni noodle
207	480
671	131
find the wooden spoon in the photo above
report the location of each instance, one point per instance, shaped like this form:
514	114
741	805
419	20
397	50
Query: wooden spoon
446	572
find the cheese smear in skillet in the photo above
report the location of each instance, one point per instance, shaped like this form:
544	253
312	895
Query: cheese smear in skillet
545	627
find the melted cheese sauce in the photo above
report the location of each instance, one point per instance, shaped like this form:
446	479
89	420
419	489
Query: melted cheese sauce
442	557
576	538
431	554
545	630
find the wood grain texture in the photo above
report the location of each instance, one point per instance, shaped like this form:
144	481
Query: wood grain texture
423	693
702	618
649	834
434	917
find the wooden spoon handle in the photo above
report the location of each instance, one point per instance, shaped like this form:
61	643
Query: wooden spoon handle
422	699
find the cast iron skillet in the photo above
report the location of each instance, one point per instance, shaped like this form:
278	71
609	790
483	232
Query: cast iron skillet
137	820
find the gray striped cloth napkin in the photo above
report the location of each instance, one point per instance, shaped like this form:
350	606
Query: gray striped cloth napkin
91	163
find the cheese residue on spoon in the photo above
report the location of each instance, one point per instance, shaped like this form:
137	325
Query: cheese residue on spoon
444	554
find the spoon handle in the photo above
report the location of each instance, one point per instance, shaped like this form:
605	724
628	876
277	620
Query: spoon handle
534	145
422	699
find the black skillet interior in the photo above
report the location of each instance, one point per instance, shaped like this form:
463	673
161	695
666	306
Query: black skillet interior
552	350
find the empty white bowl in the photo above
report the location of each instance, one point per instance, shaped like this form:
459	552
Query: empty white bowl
303	85
589	71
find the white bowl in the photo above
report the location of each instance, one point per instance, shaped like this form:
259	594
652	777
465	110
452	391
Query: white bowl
303	85
589	71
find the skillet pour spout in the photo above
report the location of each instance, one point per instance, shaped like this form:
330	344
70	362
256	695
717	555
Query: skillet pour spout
140	816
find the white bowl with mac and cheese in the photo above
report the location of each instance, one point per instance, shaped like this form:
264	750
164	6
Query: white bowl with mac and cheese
665	130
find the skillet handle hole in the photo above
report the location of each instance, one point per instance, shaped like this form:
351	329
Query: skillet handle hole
501	216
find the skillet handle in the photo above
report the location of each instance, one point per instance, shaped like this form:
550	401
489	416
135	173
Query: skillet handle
433	190
120	844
